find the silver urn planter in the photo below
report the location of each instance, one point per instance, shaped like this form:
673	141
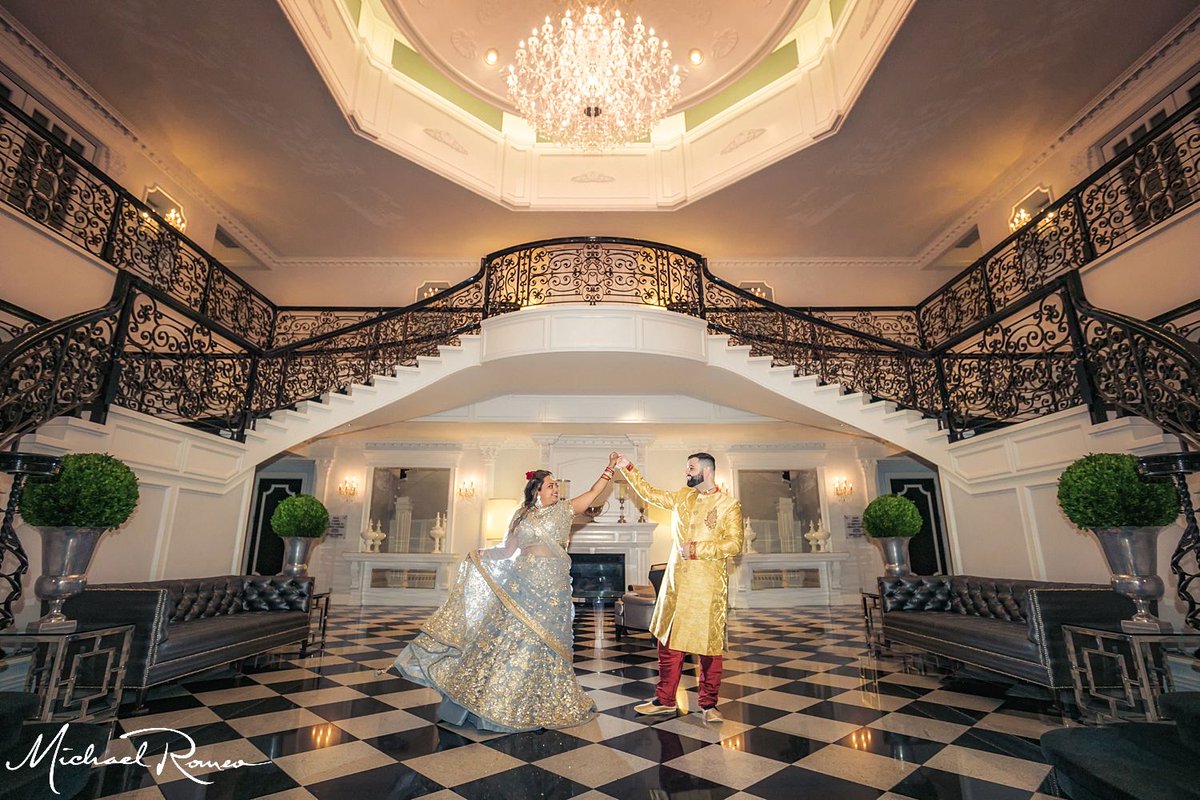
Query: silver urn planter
66	555
1132	556
895	555
296	552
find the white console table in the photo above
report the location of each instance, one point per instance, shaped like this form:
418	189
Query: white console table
785	580
401	579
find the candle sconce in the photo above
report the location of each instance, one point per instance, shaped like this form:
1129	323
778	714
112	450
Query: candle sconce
622	493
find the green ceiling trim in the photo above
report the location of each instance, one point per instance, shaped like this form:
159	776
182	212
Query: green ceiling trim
355	9
836	7
409	62
770	69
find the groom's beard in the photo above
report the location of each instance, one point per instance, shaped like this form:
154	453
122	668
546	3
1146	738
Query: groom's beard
694	480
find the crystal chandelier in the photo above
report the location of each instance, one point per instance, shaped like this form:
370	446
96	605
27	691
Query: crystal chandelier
595	83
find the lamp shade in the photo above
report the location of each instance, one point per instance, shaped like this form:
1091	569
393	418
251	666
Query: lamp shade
496	516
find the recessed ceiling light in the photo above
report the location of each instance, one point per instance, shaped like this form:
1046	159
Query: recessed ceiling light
696	57
491	56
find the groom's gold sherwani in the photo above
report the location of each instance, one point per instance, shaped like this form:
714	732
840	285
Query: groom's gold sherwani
692	604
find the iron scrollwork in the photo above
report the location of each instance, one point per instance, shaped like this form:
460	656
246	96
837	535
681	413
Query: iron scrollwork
590	271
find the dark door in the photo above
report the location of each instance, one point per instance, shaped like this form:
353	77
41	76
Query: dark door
927	551
265	553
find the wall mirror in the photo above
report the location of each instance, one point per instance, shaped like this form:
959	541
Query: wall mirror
781	505
406	503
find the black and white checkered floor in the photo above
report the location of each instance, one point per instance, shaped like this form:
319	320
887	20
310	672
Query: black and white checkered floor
809	714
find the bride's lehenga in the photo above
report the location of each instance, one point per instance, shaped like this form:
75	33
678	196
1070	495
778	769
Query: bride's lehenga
500	649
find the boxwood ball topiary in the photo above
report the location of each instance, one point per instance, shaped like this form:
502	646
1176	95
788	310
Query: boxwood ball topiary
892	515
300	515
93	490
1104	490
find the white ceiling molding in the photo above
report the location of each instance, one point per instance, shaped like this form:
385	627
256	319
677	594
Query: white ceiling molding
676	168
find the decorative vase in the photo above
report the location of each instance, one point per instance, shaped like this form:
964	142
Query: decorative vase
895	555
296	551
372	536
820	541
66	555
1132	556
751	535
437	533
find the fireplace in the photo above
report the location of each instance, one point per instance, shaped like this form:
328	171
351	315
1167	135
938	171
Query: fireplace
597	576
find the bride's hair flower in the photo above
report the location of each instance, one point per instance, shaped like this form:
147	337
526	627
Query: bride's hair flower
529	475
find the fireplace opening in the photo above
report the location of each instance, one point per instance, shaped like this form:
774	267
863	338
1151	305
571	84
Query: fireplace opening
597	576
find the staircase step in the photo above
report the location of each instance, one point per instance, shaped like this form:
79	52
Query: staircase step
312	408
857	399
880	408
903	416
268	426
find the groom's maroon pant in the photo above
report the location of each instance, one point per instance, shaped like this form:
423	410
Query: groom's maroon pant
670	669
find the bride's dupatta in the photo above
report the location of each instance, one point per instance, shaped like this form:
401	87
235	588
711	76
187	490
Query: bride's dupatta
500	649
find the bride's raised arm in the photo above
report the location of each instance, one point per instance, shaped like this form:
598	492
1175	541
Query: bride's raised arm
582	502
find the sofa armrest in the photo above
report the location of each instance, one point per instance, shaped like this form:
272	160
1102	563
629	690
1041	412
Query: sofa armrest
277	593
914	593
145	609
1047	610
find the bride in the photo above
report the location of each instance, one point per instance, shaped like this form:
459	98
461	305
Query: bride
499	649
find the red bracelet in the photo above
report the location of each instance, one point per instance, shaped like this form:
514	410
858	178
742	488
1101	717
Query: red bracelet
629	467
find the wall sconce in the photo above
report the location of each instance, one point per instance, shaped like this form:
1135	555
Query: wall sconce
348	487
843	488
1030	206
168	207
467	490
760	289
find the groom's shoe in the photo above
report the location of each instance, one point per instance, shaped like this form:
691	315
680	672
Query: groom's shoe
654	707
712	715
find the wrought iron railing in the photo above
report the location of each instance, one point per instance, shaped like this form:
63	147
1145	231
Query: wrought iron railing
1184	321
1051	352
1148	184
149	352
49	183
15	320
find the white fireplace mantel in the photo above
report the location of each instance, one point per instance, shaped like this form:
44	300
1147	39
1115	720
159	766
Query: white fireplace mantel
631	539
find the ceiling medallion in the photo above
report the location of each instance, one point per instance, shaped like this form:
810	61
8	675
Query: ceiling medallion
595	83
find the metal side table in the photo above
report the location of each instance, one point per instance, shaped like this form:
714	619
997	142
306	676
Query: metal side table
79	675
318	622
1119	675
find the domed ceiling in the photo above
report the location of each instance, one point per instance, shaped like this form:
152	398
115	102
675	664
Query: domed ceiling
729	37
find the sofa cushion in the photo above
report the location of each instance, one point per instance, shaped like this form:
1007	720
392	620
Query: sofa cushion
201	598
213	633
993	635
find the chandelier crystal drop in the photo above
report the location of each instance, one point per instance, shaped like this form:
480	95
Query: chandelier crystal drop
594	83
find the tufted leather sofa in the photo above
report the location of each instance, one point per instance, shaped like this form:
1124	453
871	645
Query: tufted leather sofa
1013	627
192	624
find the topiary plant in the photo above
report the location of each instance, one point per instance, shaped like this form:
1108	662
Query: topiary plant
892	515
1104	490
300	515
93	490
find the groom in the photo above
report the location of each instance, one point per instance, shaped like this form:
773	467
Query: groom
689	614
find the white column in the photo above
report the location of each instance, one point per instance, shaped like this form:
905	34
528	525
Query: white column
787	526
399	536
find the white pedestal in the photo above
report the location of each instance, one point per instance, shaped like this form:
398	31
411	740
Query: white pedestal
785	580
400	579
